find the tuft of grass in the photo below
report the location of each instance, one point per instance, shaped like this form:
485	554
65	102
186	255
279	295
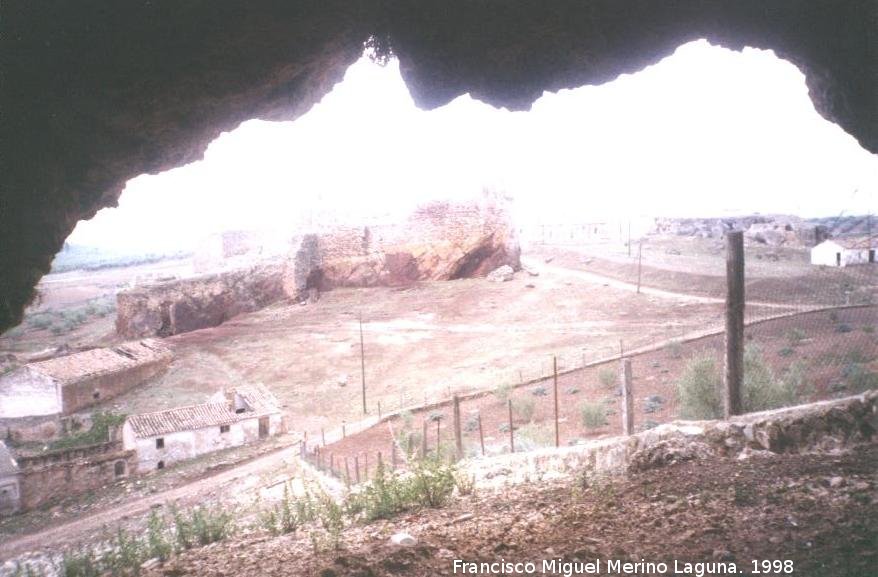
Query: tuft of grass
523	409
795	336
607	377
503	392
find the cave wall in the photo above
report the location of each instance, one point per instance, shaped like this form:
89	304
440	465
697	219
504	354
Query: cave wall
96	92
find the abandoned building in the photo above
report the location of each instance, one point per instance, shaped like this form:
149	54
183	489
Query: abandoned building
10	493
241	416
68	384
845	251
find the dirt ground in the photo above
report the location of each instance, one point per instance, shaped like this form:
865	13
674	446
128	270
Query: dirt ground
818	511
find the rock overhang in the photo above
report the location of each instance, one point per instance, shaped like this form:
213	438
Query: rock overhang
97	93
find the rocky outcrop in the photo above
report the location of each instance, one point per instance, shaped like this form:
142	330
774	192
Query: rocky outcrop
96	93
440	241
771	230
825	426
179	306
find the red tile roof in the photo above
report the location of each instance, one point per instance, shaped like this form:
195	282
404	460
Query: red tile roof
77	366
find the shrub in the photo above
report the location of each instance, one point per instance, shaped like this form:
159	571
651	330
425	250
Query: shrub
523	409
698	389
607	377
99	432
503	392
675	349
539	391
534	436
795	336
433	482
435	416
283	517
594	415
785	352
201	527
471	424
860	379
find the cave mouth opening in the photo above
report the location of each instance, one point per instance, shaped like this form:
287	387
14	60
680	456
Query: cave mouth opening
704	131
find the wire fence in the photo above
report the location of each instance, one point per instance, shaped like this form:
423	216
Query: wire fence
810	334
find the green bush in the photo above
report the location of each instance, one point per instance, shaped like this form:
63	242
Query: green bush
430	482
202	526
99	432
503	392
523	409
698	390
607	377
594	415
795	336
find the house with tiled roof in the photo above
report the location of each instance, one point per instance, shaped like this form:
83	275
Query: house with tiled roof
845	251
10	492
67	384
228	419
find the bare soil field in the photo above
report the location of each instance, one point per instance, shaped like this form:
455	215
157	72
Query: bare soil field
787	507
421	343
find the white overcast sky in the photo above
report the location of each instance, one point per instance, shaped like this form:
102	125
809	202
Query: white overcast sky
705	132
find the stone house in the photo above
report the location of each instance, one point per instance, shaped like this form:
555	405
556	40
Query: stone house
10	491
845	251
67	384
244	415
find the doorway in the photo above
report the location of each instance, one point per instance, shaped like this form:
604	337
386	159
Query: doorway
263	427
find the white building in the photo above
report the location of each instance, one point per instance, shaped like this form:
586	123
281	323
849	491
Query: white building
10	490
845	251
244	415
67	384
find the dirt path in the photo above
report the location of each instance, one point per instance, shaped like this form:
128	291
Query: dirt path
595	278
77	531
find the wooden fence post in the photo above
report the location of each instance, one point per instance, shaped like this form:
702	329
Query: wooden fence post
734	357
347	472
424	441
481	435
380	460
438	439
627	399
555	386
639	263
363	365
511	434
332	464
323	436
379	410
458	433
366	465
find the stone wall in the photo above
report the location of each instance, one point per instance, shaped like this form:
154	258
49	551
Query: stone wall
25	392
179	306
439	241
97	388
823	426
46	478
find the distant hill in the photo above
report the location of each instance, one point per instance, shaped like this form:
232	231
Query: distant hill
80	257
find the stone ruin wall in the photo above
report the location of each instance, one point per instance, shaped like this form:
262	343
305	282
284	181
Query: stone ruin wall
439	241
179	306
49	477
